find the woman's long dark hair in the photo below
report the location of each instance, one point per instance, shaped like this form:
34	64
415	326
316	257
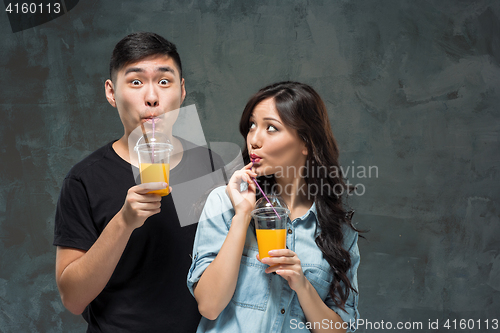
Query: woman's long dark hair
301	108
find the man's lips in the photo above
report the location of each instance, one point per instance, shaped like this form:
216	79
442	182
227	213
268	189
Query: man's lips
150	119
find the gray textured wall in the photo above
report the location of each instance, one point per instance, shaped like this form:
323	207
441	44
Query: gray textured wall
412	87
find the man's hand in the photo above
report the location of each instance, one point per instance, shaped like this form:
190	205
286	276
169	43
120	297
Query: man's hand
139	204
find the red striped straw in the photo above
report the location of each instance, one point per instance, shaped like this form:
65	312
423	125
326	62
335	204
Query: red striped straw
265	196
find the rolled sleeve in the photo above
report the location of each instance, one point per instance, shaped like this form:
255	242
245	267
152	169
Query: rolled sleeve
210	234
351	313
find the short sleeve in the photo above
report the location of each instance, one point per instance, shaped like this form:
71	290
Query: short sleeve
74	226
210	234
351	314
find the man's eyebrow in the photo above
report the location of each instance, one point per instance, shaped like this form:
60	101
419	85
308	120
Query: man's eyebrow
165	69
134	70
158	69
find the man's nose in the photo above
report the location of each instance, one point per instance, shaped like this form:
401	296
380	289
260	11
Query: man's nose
152	99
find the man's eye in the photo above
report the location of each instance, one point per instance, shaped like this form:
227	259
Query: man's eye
163	82
136	82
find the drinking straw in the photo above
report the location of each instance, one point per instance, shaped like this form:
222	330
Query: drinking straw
265	196
144	135
153	119
153	148
147	141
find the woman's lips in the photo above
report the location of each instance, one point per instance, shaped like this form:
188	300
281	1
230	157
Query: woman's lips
255	158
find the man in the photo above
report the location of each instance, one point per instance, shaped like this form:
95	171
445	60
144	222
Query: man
122	256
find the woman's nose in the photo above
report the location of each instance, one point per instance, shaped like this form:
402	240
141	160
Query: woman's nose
254	140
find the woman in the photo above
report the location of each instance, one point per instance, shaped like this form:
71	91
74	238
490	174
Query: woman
313	288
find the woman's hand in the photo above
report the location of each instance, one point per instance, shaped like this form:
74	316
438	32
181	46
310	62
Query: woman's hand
286	264
243	201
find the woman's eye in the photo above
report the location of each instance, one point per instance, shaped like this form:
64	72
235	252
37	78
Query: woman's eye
163	82
252	125
271	128
136	82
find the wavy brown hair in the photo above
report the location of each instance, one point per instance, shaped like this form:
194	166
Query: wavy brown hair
301	108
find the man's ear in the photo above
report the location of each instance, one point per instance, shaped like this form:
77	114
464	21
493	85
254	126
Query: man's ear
110	92
183	91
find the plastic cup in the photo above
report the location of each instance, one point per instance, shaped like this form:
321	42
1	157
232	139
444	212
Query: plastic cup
270	229
154	163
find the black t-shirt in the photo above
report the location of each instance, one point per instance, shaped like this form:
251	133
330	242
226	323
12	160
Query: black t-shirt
147	291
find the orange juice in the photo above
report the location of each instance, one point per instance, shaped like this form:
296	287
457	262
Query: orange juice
270	239
155	172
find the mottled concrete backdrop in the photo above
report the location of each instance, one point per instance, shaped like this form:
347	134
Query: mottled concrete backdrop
412	88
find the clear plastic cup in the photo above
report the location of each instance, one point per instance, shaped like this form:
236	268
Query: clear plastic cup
154	163
270	229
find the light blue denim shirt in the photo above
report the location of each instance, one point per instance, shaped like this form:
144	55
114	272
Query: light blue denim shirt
264	302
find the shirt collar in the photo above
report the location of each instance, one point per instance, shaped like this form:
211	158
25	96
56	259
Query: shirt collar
311	210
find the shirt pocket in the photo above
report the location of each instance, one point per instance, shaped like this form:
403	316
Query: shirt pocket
320	278
253	286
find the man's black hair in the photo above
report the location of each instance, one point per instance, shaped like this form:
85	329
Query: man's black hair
140	45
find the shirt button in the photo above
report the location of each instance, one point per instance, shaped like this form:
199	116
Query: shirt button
290	231
282	311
